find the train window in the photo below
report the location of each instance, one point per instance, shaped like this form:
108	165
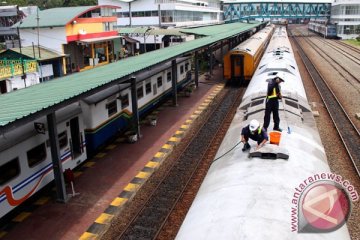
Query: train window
155	89
63	140
159	81
140	92
112	108
124	101
148	88
257	102
292	104
181	69
36	155
186	66
168	77
272	73
9	171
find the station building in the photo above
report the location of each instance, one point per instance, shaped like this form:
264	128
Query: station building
162	14
20	68
85	34
346	15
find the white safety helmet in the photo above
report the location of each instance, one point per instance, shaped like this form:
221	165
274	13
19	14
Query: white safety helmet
254	124
281	76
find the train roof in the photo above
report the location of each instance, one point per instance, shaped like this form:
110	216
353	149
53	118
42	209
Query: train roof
254	41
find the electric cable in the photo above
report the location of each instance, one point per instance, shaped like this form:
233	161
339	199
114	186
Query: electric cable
227	152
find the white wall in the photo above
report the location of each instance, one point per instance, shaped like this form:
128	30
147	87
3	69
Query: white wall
17	82
49	38
146	5
46	70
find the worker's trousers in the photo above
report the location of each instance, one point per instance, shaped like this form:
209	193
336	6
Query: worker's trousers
272	106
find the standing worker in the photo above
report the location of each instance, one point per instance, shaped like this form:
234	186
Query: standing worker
272	103
256	133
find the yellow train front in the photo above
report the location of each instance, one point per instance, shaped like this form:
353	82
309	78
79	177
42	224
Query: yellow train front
241	62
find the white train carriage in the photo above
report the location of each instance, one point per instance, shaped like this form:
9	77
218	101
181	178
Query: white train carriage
25	156
324	28
110	110
253	198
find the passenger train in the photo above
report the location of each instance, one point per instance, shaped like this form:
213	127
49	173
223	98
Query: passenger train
25	156
322	27
252	195
240	62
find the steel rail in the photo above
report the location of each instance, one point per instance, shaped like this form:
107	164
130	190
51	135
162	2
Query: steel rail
345	127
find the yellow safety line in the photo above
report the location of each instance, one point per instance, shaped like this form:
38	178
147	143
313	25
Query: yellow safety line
100	155
152	164
118	201
159	154
131	187
21	217
42	201
167	146
89	164
88	236
104	218
143	175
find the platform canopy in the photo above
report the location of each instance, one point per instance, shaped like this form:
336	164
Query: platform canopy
36	101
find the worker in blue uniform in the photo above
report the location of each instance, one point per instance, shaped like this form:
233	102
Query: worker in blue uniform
272	102
254	132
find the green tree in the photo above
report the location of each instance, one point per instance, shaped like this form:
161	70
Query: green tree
16	2
45	4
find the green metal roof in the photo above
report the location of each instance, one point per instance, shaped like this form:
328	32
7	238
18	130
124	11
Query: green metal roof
215	29
149	31
46	54
136	30
172	31
24	102
204	31
54	17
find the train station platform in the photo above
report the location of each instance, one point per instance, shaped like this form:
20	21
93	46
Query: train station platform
102	181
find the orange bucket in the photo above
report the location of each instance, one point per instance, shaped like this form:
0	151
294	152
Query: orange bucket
275	137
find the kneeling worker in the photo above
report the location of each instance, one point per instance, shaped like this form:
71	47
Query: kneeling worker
256	133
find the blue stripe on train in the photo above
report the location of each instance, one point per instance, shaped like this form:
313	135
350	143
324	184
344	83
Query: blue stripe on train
34	176
96	139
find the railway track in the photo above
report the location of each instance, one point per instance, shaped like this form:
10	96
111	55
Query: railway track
341	50
150	218
335	64
355	49
345	127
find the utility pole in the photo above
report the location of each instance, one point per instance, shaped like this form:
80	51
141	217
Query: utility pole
38	34
23	76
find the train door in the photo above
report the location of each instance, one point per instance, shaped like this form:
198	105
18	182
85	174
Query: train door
237	69
3	88
75	137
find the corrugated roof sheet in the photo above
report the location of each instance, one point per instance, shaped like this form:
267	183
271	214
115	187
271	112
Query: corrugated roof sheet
136	30
46	54
215	29
24	102
149	31
172	32
54	17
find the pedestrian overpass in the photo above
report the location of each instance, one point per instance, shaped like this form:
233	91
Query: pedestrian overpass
268	9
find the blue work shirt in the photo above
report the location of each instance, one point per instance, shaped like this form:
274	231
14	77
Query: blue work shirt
256	136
